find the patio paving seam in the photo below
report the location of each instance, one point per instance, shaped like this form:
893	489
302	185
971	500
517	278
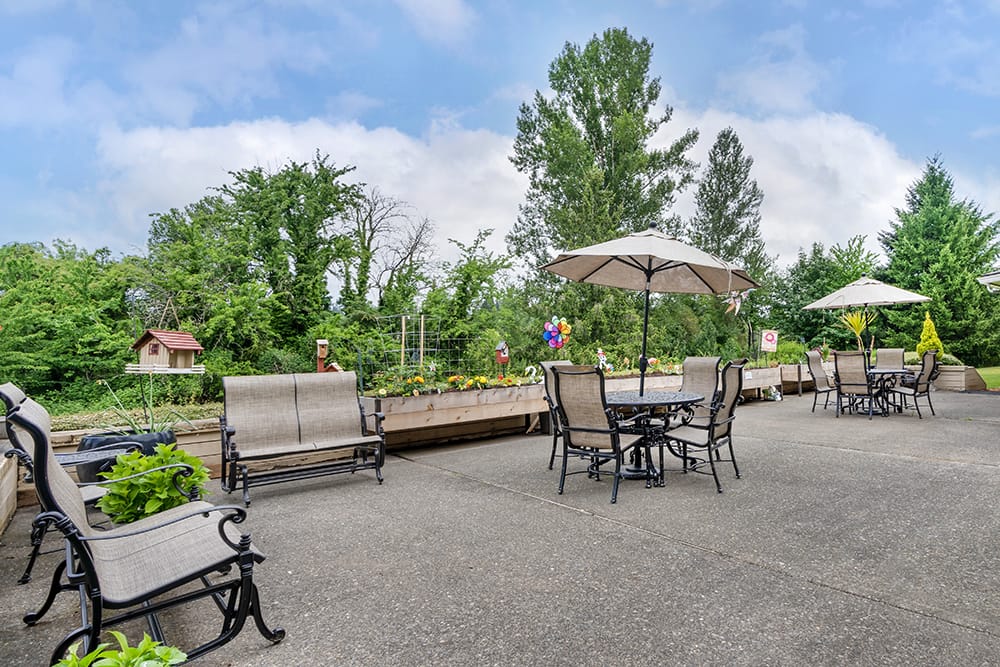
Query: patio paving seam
859	450
732	557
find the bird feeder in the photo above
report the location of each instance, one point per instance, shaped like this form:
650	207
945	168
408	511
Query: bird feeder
166	352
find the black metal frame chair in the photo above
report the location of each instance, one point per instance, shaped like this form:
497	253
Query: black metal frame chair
854	387
820	379
589	428
12	396
141	568
920	386
716	433
551	401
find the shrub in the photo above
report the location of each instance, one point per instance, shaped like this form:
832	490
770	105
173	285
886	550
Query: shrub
133	499
929	339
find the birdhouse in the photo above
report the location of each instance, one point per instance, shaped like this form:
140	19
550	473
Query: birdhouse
502	352
166	352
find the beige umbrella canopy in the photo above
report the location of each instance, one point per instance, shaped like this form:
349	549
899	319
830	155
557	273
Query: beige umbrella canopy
650	261
991	280
866	291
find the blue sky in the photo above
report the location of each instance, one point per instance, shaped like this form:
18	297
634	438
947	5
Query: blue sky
111	111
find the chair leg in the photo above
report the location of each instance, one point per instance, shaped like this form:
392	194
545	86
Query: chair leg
815	398
562	475
732	457
715	475
929	404
54	589
826	400
916	404
618	477
555	441
37	534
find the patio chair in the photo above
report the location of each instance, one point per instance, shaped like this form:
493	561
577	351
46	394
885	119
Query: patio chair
854	391
12	396
141	568
701	376
889	357
713	434
589	428
820	379
920	387
550	399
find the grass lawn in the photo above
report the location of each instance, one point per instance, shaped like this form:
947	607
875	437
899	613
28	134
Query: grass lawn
992	376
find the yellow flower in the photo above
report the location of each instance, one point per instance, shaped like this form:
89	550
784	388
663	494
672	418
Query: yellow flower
418	379
382	392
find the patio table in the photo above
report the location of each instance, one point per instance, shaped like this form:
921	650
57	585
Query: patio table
672	402
882	380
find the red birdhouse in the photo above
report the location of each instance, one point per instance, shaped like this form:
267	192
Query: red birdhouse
502	352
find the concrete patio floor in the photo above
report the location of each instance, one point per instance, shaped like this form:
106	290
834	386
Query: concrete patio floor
846	542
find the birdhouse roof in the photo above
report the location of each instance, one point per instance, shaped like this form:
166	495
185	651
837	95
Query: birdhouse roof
172	340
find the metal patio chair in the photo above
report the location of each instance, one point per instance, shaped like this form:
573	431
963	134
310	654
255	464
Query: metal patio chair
590	429
715	433
136	570
820	379
12	396
920	387
550	399
854	390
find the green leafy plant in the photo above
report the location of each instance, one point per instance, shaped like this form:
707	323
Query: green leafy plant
857	321
147	653
132	499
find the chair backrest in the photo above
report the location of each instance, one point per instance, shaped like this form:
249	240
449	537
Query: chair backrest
550	383
729	397
327	405
816	370
582	405
701	376
889	357
263	409
928	366
56	490
851	372
12	396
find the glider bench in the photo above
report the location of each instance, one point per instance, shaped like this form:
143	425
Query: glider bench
275	417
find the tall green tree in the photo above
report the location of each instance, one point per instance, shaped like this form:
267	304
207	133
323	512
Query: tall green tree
937	246
726	223
594	174
295	219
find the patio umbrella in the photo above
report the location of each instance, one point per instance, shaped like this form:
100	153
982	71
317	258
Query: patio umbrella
991	280
653	262
866	292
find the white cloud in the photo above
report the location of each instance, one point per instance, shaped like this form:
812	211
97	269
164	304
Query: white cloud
33	92
780	77
825	177
447	21
460	179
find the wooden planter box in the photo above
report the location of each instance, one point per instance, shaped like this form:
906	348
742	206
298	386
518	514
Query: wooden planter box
8	487
958	378
755	379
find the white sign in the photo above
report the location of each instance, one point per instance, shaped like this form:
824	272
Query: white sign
769	340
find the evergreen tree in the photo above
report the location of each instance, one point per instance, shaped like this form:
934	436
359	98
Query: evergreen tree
938	246
928	338
727	220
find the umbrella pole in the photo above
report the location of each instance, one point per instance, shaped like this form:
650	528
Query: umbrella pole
642	356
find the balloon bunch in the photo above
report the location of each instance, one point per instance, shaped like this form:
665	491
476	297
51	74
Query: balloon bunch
557	332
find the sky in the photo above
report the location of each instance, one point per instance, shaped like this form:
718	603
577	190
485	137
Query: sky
111	111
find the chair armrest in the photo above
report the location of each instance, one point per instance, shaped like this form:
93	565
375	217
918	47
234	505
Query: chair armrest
232	514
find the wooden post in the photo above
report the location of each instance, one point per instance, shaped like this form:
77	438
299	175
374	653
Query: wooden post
421	342
402	343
